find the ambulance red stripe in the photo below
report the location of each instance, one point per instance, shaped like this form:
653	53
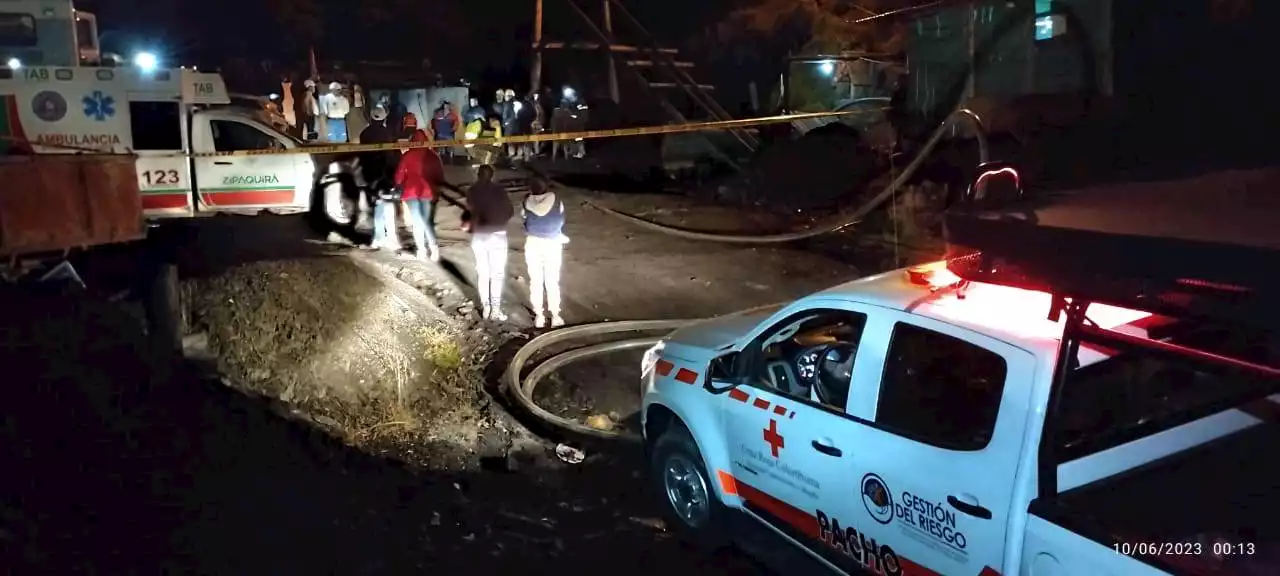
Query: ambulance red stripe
248	197
687	376
164	201
739	395
761	403
664	367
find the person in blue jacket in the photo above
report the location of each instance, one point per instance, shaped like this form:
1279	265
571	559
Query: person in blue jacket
543	215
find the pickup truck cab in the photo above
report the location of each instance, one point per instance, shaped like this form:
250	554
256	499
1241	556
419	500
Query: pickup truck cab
917	422
165	118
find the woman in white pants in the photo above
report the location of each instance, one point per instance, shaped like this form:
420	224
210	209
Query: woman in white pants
543	215
490	210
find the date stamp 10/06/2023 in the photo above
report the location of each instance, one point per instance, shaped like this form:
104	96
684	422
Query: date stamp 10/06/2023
1216	548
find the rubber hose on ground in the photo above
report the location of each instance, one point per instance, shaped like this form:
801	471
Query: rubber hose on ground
523	388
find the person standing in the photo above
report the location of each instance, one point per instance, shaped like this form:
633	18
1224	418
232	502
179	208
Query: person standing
377	170
444	126
335	107
414	178
474	111
511	121
538	125
311	105
490	210
544	241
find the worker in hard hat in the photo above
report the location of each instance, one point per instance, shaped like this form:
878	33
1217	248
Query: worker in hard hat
335	107
444	126
511	120
378	170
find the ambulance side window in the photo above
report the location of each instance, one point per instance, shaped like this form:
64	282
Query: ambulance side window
231	136
155	125
940	390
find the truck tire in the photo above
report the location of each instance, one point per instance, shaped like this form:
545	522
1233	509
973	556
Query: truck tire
162	302
688	499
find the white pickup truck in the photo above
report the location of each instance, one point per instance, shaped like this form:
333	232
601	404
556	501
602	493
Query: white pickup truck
921	422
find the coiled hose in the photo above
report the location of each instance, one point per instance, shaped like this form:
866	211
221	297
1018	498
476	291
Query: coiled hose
521	389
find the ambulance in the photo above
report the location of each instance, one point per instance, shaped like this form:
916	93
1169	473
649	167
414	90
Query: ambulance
163	117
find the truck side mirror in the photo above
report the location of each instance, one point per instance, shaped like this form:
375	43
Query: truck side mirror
724	371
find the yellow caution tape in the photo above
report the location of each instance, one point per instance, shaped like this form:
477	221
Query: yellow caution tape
558	137
546	137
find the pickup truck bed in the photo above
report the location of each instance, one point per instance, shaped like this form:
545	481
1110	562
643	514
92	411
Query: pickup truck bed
1228	490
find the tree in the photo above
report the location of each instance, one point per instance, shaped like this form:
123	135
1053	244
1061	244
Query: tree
817	26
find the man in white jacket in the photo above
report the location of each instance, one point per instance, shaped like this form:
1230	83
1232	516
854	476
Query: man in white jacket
335	107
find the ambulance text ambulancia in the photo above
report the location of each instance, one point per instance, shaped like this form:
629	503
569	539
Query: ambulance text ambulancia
894	425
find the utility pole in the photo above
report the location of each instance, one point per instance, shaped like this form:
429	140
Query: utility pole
535	76
613	70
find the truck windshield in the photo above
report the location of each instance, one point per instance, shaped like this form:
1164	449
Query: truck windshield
17	30
1137	394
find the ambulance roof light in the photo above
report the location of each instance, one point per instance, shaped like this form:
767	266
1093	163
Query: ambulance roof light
935	275
146	61
14	63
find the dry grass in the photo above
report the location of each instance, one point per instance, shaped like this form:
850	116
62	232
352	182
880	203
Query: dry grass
326	338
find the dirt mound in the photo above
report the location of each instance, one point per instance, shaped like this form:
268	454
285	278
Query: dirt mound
326	337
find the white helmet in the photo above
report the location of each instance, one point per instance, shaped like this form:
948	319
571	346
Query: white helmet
335	86
379	113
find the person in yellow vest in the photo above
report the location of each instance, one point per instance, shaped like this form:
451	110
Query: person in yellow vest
470	132
487	153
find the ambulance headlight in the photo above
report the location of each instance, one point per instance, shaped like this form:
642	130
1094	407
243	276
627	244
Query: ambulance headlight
651	358
14	63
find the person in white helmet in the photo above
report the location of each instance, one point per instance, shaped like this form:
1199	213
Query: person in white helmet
335	106
377	171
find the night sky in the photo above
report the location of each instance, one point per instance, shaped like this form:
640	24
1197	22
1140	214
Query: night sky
487	39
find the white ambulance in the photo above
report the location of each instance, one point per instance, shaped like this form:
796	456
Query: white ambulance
948	419
162	117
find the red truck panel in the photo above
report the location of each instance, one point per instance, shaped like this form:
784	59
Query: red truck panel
57	202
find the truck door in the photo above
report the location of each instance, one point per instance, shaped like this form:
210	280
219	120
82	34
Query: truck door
245	183
934	475
163	176
786	426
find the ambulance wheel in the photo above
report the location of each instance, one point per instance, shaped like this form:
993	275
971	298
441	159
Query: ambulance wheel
685	491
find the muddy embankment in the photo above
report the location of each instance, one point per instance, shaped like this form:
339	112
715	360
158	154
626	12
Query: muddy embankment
387	374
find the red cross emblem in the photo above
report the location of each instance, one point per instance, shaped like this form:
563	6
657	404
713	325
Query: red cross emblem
775	440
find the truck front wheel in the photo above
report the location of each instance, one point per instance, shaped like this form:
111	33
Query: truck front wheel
685	493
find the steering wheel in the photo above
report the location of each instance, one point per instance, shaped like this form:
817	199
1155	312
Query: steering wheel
809	364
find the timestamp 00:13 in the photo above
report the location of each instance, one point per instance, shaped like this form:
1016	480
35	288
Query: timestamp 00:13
1218	548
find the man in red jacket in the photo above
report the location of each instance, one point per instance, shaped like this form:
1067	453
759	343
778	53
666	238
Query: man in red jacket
419	169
